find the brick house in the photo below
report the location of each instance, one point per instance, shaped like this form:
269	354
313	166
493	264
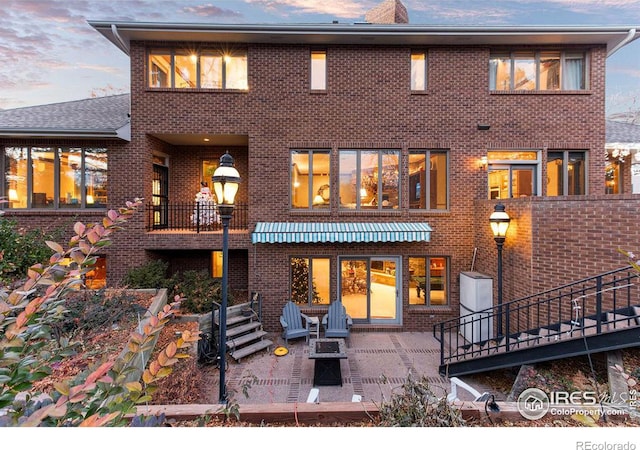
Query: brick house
332	128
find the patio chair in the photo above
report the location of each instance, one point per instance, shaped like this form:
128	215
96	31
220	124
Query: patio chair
292	323
337	322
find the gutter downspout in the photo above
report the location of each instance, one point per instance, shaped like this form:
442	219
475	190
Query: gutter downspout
625	41
124	47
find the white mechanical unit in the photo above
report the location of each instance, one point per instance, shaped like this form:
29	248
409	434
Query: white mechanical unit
476	299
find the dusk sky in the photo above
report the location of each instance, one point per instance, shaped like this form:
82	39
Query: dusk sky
49	54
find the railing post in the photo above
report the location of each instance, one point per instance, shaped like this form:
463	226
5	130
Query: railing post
599	304
441	343
507	324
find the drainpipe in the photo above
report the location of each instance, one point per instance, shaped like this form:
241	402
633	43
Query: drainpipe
630	35
121	43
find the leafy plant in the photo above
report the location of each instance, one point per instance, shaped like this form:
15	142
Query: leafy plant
416	405
151	275
103	395
198	291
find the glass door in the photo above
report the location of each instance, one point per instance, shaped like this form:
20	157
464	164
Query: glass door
369	289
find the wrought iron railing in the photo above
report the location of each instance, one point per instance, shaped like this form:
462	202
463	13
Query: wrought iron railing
193	216
584	308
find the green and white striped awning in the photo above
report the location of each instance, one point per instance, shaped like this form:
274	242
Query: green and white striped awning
316	232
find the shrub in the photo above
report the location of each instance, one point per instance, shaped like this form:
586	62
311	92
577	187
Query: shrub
152	275
198	291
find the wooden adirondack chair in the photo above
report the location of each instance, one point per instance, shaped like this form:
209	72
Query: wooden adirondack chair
292	323
337	322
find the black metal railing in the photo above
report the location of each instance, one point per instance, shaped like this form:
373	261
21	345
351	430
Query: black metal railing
584	308
193	216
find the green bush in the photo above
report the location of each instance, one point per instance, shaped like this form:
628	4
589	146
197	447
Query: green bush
152	275
20	248
198	291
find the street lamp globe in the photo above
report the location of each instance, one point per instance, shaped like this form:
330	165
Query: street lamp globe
226	180
499	221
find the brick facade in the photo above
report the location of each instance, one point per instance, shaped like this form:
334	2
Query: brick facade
368	104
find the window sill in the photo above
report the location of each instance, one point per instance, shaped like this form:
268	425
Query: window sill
194	90
583	92
318	91
425	92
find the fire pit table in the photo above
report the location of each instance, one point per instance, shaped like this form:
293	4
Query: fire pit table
327	354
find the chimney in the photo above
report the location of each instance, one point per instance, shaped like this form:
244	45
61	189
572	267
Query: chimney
389	11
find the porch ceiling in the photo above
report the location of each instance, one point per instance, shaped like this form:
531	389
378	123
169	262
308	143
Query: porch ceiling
201	139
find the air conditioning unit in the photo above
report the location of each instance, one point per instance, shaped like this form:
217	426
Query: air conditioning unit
476	301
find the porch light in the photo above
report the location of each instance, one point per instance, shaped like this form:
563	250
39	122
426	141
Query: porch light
225	184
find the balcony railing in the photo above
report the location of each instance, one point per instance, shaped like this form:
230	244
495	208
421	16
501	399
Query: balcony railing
192	216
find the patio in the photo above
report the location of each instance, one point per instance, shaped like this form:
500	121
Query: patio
377	364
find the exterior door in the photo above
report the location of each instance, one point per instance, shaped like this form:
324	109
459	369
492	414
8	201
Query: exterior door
369	289
160	196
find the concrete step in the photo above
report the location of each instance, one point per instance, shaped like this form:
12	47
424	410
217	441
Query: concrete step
238	330
251	349
245	339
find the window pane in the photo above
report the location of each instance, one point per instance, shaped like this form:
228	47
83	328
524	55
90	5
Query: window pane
550	71
500	73
15	176
438	181
525	72
522	182
389	179
417	281
320	180
43	173
96	278
574	73
417	180
159	69
236	72
299	179
612	178
321	281
348	179
438	281
211	71
418	71
319	70
555	174
186	70
95	164
70	178
369	177
576	173
498	183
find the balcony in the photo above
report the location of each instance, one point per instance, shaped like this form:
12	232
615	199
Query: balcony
192	217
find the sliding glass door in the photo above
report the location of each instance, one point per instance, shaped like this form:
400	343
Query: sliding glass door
369	289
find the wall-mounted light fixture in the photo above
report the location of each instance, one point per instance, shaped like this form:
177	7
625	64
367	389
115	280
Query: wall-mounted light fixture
483	162
483	126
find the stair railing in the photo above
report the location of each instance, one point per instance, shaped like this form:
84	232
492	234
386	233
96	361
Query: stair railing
579	308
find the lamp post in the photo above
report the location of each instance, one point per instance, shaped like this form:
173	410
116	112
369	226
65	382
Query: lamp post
225	185
499	221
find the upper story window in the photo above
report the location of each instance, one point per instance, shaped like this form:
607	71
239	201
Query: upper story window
513	174
566	173
48	177
418	71
310	180
369	179
538	71
206	69
428	179
318	70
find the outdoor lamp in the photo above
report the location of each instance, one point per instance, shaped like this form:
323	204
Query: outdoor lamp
499	220
225	184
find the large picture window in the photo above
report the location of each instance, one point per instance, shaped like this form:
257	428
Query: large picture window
207	69
47	177
428	280
428	179
538	71
566	173
369	179
310	180
310	281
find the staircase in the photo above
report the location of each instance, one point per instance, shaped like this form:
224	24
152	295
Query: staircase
597	314
245	335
